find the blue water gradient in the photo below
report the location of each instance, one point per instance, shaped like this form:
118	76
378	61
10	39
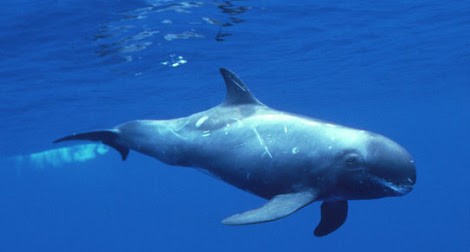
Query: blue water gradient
399	68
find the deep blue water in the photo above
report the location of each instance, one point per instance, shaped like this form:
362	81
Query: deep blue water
399	68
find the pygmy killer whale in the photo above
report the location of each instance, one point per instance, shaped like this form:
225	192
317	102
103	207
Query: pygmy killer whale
289	160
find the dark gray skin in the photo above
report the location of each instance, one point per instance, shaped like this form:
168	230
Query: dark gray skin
288	159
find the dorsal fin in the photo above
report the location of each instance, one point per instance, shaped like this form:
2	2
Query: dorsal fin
237	92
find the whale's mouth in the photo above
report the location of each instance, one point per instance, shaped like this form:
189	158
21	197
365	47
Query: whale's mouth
397	189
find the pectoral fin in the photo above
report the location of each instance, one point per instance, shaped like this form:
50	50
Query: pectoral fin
279	206
333	215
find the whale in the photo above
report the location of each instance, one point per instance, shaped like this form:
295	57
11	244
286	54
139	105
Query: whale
290	160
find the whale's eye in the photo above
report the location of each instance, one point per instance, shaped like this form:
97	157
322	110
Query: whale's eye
352	160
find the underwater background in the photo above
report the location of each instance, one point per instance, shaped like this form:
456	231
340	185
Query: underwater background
398	68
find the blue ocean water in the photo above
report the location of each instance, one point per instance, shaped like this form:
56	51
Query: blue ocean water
399	68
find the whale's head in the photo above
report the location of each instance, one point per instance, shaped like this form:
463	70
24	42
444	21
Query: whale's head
380	168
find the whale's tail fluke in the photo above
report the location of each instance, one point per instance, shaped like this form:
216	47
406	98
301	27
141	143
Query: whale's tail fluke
107	137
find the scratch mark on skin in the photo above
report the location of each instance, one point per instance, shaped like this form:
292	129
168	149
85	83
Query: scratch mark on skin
261	142
176	134
285	129
226	129
238	120
266	151
201	121
238	84
206	133
181	126
295	150
258	136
